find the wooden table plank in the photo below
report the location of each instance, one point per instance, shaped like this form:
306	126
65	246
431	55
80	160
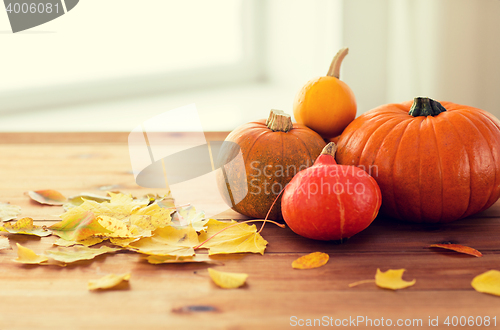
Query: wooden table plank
48	297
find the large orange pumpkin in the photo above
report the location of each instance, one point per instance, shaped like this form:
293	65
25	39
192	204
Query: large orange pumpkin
434	162
273	152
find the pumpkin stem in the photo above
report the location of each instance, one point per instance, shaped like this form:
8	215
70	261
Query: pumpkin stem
279	121
424	106
334	70
330	149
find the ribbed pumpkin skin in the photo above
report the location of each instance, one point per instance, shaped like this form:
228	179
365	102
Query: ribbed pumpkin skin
429	168
263	148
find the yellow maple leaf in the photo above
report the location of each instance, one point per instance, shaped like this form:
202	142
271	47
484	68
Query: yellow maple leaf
9	211
240	238
77	253
107	282
227	280
123	242
150	217
312	260
25	226
168	241
28	256
488	282
120	229
392	279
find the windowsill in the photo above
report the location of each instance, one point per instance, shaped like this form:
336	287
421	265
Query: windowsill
221	109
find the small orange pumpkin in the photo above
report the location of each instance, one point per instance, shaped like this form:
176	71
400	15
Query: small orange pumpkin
273	152
434	162
326	104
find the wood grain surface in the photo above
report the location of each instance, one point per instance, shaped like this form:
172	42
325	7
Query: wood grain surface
183	296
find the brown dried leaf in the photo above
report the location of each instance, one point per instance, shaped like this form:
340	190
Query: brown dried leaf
458	248
47	197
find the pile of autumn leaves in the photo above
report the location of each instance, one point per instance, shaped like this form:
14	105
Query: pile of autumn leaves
152	226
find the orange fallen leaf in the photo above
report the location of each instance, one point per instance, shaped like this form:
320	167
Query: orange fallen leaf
392	279
47	197
312	260
458	248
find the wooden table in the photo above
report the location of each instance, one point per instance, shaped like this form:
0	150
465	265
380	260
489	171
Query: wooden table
183	297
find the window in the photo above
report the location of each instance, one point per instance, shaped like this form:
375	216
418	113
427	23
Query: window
114	48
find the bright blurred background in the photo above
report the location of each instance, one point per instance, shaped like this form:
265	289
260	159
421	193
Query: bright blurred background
110	65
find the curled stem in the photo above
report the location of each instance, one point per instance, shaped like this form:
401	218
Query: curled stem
270	209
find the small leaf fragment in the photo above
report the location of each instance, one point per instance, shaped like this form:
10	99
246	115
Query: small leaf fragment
77	253
488	282
78	200
28	256
47	197
8	211
392	279
361	282
227	280
78	226
25	226
458	248
186	216
312	260
4	243
168	241
89	241
108	282
155	259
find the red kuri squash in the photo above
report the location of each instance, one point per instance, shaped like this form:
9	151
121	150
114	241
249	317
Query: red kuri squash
329	201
